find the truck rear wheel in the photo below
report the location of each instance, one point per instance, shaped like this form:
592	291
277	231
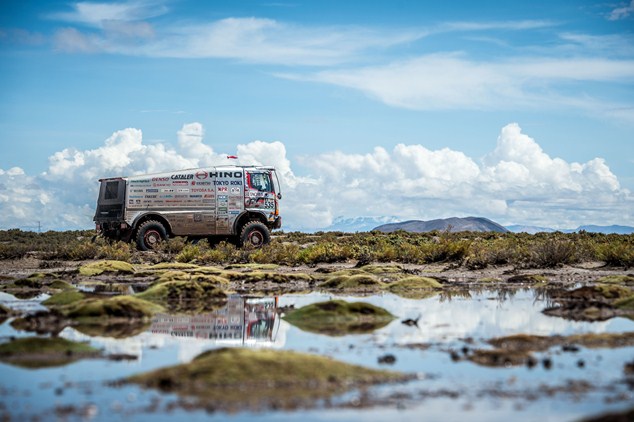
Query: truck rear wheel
255	234
149	235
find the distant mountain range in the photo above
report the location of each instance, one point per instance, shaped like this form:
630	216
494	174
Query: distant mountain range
453	224
358	224
589	228
389	224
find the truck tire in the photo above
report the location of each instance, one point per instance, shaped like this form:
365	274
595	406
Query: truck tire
150	234
255	234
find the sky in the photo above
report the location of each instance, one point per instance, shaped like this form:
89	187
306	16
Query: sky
521	112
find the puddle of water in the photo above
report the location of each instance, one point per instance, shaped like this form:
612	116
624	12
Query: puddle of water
445	390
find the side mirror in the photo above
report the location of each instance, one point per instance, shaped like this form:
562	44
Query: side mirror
279	196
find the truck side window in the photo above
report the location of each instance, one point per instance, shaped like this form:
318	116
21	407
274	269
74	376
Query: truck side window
261	182
112	190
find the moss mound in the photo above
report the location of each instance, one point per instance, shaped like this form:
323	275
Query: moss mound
100	310
241	379
527	279
118	330
337	317
415	287
360	282
172	266
260	276
64	298
170	276
96	268
253	266
524	342
500	358
617	279
626	304
382	269
61	285
36	352
184	295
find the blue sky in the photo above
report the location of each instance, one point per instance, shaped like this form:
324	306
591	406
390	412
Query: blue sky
522	112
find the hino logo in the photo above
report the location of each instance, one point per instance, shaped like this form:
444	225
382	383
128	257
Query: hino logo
225	174
201	175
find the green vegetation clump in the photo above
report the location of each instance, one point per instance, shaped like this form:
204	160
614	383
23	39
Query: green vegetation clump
100	310
500	357
96	268
234	379
337	317
625	304
527	279
617	279
361	282
36	352
64	298
415	287
182	291
60	285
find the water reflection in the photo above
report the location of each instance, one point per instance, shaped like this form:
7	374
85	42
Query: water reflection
242	321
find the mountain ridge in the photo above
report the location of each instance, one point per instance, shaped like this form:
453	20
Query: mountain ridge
452	224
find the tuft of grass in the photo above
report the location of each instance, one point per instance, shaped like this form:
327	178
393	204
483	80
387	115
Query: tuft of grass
415	287
625	304
363	282
96	268
617	279
64	298
100	310
61	285
234	379
37	352
182	290
337	317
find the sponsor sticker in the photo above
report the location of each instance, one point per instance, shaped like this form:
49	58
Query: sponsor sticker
223	189
235	191
201	175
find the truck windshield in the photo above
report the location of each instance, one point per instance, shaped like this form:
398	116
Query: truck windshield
261	182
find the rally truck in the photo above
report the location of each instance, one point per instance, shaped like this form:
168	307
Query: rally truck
239	203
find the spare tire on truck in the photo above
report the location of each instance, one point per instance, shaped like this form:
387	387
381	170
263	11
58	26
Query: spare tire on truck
255	234
149	235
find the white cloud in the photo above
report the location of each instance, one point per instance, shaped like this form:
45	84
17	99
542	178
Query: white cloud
98	14
622	12
517	182
247	39
452	81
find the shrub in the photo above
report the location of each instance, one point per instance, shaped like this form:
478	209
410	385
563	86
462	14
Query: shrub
117	251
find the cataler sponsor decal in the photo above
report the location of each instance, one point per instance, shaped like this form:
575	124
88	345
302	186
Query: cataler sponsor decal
182	176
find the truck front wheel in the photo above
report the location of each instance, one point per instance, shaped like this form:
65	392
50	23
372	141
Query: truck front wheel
255	234
149	235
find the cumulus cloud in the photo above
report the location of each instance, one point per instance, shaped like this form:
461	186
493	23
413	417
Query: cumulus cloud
517	182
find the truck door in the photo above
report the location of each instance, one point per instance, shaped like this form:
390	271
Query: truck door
259	192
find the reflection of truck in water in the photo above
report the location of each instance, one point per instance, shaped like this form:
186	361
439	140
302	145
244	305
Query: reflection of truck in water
242	321
239	202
